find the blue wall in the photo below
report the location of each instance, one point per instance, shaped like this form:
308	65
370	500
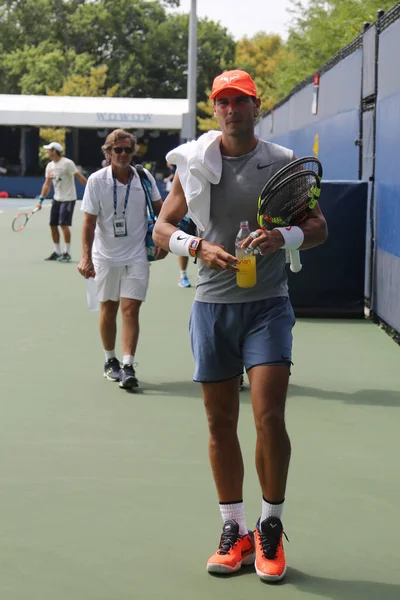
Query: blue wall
331	282
337	126
337	123
387	180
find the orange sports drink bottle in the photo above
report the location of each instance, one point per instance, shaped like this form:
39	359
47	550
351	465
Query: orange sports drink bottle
246	277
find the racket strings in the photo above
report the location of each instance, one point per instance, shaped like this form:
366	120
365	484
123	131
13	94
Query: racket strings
19	222
289	202
311	165
302	164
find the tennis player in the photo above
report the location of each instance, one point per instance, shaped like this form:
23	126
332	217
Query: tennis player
232	327
61	172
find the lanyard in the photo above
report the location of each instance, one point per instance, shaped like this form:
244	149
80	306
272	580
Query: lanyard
128	189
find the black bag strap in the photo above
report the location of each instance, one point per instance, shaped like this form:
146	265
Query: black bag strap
146	185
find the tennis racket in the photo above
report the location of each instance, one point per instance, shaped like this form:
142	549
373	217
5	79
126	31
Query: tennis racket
288	198
20	221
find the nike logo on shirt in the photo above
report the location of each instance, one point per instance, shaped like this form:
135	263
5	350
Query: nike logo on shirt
264	166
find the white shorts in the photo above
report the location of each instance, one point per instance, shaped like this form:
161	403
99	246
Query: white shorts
114	283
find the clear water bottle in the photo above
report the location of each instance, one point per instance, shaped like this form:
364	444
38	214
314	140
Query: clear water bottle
91	294
246	277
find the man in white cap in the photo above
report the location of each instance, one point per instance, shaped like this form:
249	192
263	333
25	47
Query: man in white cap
60	172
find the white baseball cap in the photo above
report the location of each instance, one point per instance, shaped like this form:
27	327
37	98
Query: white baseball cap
54	146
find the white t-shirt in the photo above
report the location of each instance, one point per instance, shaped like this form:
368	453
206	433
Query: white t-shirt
62	174
98	200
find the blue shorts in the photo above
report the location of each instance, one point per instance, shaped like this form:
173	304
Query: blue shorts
227	337
61	212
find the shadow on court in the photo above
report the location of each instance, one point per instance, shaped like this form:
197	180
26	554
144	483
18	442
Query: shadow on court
244	570
186	389
324	587
336	589
366	397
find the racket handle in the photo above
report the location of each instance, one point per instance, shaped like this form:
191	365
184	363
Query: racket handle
295	264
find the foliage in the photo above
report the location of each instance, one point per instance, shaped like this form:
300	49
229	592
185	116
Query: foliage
319	29
136	48
44	43
92	85
205	115
262	56
35	69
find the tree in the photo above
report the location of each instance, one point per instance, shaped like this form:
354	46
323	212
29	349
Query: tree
92	85
262	56
45	42
168	66
35	69
319	29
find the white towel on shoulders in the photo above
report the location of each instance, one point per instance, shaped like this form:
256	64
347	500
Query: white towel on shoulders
199	164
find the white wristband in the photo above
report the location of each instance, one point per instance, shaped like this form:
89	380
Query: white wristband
179	243
293	236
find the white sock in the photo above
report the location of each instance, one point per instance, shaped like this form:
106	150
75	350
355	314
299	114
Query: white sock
57	248
67	248
128	359
109	354
183	274
234	512
271	510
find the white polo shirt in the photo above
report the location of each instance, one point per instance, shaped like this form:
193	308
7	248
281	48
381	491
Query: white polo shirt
62	175
98	200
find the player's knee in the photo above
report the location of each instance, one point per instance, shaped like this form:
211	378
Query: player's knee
270	420
109	310
221	425
130	309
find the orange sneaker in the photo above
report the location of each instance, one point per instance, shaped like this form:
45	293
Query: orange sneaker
234	550
270	556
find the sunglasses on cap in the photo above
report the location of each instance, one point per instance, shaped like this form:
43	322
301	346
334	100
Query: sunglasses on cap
119	150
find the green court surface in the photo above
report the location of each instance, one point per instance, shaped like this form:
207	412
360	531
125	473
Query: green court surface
107	495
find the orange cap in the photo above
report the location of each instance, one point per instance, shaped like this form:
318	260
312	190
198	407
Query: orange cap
234	80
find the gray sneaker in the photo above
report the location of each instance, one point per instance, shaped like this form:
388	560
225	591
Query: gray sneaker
64	257
54	256
127	377
111	369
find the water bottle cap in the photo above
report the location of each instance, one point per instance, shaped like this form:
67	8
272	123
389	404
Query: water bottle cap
244	223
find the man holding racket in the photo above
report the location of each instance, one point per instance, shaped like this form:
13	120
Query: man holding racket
114	251
60	172
232	327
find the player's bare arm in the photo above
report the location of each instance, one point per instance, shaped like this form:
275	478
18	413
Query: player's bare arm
81	178
86	267
174	209
314	228
157	206
45	191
